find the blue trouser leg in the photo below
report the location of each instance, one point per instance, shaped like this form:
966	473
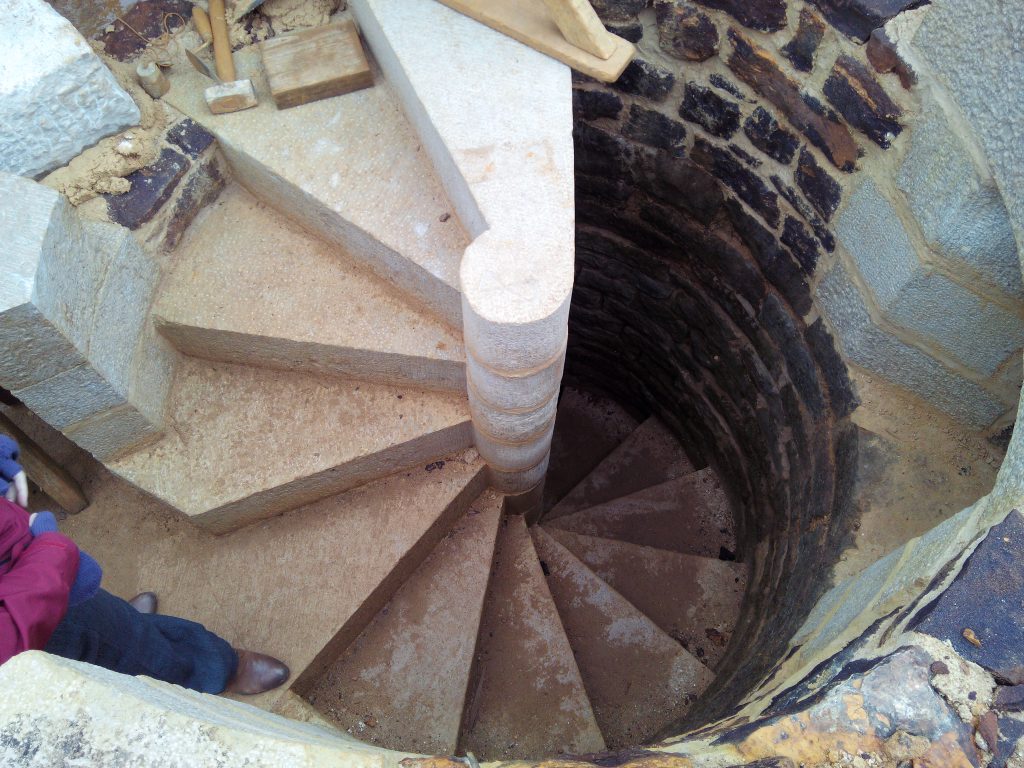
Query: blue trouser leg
108	632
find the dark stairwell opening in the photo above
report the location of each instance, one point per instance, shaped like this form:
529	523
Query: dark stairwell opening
687	308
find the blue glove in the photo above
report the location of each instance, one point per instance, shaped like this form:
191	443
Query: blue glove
89	576
9	466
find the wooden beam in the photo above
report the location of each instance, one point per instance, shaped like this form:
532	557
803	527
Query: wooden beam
532	23
579	25
44	471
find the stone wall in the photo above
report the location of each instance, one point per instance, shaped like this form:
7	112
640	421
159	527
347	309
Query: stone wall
773	192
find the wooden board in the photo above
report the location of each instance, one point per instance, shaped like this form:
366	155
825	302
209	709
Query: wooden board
530	22
315	64
44	471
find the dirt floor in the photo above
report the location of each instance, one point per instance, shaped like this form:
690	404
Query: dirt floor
917	468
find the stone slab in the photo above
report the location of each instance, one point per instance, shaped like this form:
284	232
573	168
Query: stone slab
301	586
694	600
690	515
961	213
247	443
987	597
968	328
649	456
58	97
587	428
362	184
79	713
870	347
637	677
402	683
251	287
525	666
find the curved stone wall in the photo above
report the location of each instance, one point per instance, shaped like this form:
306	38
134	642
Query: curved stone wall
771	193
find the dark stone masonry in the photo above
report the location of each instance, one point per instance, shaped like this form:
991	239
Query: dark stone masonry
863	102
859	18
801	49
685	32
718	116
641	78
766	134
151	188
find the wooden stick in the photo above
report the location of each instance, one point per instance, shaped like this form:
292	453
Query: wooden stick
44	471
202	24
580	25
221	42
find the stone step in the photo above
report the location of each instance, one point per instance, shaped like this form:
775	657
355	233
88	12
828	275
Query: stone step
650	455
639	679
249	286
301	586
247	443
695	600
402	684
526	698
362	182
587	428
689	514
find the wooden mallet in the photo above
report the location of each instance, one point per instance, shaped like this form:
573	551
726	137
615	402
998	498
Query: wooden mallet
229	94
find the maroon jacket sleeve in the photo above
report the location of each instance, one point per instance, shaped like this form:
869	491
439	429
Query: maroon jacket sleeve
34	593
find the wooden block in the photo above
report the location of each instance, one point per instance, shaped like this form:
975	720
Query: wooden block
315	64
580	25
44	471
530	22
230	97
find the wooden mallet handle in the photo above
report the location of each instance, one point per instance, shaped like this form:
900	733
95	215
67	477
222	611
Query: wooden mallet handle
221	42
202	24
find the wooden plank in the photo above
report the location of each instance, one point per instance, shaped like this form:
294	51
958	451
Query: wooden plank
580	25
44	471
530	22
315	64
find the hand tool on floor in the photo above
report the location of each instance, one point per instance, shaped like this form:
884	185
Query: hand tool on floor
230	94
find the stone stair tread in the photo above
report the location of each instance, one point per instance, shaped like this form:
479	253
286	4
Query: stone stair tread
249	286
637	677
245	443
402	684
650	455
587	428
367	165
689	514
282	586
526	697
695	600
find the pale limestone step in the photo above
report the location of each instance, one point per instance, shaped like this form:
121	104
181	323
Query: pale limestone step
695	600
402	683
637	677
246	443
587	428
300	586
650	455
249	286
350	169
526	698
690	515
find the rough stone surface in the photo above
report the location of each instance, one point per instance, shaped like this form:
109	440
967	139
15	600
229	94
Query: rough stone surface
747	184
593	105
654	129
986	597
809	34
923	301
858	18
885	58
79	713
801	206
57	97
684	31
961	213
821	189
755	66
872	348
764	15
719	117
801	244
151	188
641	78
766	134
970	51
853	90
200	190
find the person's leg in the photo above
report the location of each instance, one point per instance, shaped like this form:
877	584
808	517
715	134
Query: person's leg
108	632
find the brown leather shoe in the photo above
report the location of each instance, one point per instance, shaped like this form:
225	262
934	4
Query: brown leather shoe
256	673
144	602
